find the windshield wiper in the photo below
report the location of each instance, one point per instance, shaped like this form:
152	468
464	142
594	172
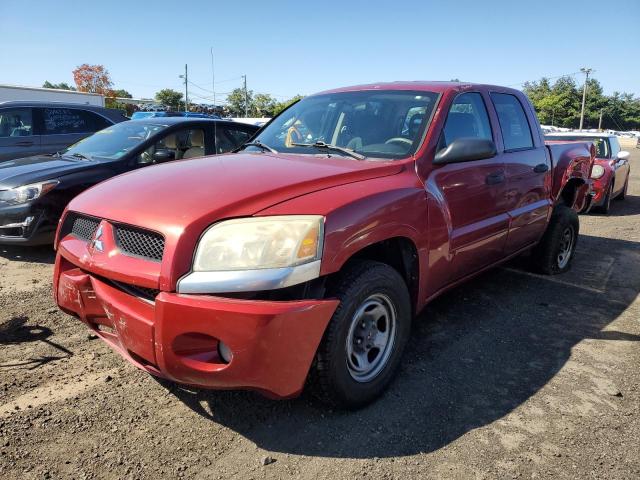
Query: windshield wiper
328	146
259	144
80	156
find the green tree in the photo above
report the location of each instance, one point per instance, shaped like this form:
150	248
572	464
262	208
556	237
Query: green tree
280	106
57	86
122	93
263	105
169	97
236	102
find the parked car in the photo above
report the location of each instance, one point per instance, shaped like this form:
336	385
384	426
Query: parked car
611	169
155	114
31	128
35	190
308	253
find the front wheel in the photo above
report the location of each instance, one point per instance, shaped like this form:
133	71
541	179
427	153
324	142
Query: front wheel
555	251
363	344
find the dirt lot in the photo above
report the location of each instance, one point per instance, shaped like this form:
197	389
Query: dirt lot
512	375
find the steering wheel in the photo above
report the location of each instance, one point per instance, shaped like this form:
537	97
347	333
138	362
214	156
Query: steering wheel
399	140
291	132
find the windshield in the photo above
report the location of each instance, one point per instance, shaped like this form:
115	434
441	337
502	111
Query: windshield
602	146
374	123
113	142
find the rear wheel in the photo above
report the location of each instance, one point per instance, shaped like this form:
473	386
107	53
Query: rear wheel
555	251
363	344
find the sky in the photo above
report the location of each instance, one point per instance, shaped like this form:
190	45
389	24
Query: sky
292	47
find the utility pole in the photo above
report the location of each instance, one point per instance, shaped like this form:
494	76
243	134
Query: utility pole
186	88
246	102
586	71
600	122
213	82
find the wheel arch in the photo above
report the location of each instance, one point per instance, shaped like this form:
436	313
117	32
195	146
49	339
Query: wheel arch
399	252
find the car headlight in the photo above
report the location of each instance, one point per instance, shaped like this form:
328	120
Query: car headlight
597	171
260	243
26	193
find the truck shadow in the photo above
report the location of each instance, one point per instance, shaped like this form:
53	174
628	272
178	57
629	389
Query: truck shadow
43	254
16	330
476	354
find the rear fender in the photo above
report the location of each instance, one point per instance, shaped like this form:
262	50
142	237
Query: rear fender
572	166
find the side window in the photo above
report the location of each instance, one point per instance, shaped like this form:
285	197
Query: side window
467	118
615	147
228	139
96	122
61	121
16	122
174	146
516	133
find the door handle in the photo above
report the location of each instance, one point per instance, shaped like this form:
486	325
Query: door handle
541	168
494	178
24	144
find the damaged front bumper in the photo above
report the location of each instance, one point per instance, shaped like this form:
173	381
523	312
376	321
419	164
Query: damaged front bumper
200	340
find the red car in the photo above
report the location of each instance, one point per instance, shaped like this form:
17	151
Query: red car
611	169
308	253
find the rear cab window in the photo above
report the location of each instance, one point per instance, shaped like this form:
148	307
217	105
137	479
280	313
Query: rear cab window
516	131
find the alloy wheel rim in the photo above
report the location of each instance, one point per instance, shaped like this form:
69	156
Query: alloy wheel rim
566	247
371	338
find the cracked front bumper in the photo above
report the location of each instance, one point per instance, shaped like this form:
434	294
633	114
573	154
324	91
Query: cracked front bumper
272	343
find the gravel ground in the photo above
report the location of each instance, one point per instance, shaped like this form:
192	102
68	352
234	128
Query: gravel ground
512	375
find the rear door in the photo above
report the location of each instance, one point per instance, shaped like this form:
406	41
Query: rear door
18	137
61	127
528	170
472	191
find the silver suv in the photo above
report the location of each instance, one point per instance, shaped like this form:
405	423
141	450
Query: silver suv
31	128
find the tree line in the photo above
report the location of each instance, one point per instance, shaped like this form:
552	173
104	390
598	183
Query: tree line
559	104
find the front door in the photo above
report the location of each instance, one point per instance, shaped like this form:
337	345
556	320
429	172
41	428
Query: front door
17	135
471	192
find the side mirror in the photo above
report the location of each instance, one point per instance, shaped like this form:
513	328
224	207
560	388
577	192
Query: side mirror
163	155
465	150
623	155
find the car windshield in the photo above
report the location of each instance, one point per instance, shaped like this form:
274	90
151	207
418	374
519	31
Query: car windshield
602	146
373	123
113	142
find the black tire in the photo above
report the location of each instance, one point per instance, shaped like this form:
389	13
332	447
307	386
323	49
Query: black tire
546	257
622	195
332	376
606	203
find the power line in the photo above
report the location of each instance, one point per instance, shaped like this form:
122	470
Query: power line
547	78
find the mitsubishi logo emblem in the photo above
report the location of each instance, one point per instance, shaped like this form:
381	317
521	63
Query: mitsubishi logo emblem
96	243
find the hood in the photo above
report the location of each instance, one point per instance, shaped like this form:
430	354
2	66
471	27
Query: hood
171	197
23	171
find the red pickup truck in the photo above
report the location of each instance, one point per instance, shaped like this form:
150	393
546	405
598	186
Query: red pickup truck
306	254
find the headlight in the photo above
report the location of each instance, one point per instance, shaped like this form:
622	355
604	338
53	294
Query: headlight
597	171
26	193
260	243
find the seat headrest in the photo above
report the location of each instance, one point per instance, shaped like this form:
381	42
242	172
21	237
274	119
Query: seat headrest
197	138
171	141
460	125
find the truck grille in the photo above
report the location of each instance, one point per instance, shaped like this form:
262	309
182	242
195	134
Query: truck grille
139	243
84	227
132	241
149	294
